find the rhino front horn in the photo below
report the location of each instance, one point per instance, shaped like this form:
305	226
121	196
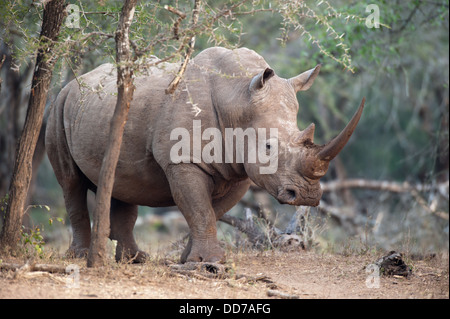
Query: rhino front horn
332	149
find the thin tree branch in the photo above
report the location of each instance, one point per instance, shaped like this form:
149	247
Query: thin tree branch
176	25
174	84
395	187
389	186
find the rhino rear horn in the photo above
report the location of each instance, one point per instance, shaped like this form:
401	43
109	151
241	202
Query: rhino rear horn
306	135
332	149
304	81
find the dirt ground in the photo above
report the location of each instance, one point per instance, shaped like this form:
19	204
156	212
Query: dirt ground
249	275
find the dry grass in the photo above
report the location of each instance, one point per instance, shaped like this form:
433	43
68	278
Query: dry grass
251	274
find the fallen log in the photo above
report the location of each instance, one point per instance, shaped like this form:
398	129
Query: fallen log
33	267
261	234
282	295
254	234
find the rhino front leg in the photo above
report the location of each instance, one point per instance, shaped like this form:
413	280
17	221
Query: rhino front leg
123	217
191	190
223	205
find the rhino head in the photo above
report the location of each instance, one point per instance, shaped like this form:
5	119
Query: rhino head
301	163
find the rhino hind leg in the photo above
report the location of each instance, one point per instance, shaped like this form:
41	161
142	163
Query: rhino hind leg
74	185
75	194
123	217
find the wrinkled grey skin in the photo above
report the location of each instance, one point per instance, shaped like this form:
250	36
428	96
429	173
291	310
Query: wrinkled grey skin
232	88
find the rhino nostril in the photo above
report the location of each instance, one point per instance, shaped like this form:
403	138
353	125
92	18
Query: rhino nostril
291	193
288	195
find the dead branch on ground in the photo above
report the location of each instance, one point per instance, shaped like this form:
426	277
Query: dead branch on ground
33	267
261	234
31	270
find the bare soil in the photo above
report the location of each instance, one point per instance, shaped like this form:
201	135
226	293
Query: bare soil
250	275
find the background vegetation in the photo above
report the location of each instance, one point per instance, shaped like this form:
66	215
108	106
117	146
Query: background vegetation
402	68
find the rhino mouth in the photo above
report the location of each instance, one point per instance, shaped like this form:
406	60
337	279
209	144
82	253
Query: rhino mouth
292	195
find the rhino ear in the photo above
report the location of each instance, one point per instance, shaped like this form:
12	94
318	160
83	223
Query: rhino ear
260	79
304	81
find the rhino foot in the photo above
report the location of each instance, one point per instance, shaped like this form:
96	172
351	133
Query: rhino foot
136	256
76	252
212	255
211	252
128	256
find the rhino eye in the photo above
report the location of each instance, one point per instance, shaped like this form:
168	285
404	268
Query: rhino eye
271	145
268	147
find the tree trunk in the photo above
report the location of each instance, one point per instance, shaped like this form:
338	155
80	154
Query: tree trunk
54	13
101	225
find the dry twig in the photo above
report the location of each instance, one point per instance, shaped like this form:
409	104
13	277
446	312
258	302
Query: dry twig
282	295
190	49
